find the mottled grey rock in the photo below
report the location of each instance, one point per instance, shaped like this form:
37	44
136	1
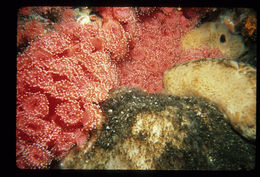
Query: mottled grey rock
155	131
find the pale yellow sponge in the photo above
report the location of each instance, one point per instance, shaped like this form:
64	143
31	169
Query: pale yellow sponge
216	36
229	84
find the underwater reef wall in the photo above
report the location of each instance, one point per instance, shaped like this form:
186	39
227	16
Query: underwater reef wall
70	58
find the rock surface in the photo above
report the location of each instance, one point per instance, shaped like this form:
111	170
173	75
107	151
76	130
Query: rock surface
155	131
229	84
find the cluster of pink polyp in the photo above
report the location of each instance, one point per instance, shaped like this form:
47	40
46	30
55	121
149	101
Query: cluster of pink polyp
67	70
155	35
61	78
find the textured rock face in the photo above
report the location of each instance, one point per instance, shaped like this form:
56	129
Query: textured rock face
152	131
229	84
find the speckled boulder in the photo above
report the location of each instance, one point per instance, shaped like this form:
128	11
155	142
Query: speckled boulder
155	131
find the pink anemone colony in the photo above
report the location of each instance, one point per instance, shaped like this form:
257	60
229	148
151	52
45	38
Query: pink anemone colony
64	73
